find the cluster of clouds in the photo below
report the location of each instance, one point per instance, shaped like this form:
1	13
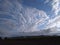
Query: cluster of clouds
25	19
54	23
56	6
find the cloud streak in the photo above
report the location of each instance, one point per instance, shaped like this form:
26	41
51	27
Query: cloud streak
54	23
56	6
26	19
46	1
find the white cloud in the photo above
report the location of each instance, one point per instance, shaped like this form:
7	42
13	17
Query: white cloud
46	1
56	6
54	24
28	18
35	17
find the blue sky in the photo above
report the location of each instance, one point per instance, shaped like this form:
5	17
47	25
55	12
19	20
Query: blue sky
39	4
43	5
27	15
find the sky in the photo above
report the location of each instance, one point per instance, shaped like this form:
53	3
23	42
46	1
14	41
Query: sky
28	16
50	7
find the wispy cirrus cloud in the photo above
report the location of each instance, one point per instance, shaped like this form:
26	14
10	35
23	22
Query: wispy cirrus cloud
46	1
56	6
27	18
55	10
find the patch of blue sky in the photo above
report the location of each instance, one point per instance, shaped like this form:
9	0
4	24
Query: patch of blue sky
39	4
42	26
2	1
38	17
6	16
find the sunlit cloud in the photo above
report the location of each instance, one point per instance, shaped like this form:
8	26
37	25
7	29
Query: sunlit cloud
55	22
26	19
56	6
46	1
